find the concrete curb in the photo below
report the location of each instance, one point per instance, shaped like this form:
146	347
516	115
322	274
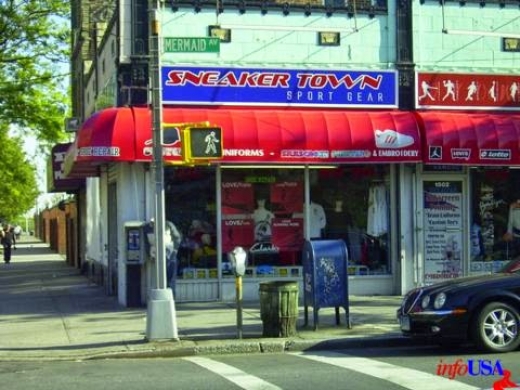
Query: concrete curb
215	347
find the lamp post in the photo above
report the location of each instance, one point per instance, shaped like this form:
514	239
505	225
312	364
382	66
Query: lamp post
161	322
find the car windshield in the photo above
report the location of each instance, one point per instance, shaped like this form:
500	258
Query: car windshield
512	267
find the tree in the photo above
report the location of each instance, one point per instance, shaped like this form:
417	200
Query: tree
34	36
18	187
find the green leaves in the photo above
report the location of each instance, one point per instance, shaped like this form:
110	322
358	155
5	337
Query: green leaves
34	75
17	178
34	66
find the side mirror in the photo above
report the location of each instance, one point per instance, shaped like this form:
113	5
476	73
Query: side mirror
238	259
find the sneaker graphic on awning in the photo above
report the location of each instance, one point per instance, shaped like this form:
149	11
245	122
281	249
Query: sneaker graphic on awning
391	139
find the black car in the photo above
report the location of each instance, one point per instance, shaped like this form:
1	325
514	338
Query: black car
484	310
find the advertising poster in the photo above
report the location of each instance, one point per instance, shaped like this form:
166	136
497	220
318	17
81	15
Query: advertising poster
237	198
237	232
287	197
442	230
288	233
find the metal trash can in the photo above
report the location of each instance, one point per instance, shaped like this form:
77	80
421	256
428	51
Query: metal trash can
279	308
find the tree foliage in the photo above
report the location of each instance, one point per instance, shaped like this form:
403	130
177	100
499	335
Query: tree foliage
17	179
34	73
34	36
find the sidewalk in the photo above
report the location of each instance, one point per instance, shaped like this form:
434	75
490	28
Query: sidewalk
50	311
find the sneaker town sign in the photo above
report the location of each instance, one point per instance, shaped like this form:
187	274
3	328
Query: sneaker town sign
275	87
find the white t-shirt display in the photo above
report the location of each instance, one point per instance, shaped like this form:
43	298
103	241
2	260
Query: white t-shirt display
262	218
513	222
318	220
377	221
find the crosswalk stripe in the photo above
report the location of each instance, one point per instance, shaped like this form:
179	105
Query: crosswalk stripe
238	377
402	376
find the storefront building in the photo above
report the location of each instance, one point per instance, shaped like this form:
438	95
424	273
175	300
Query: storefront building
286	175
318	141
470	178
467	105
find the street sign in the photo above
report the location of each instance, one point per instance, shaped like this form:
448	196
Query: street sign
191	45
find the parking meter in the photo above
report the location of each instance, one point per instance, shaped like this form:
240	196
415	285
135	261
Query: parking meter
238	259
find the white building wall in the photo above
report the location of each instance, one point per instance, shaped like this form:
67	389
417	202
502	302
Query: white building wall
277	40
435	50
93	237
408	213
131	188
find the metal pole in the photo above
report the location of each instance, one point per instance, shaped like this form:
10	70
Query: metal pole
161	321
157	162
238	286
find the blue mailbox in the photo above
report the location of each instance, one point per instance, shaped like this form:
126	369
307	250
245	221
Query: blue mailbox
325	277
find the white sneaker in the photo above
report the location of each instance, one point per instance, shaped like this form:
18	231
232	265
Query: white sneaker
391	139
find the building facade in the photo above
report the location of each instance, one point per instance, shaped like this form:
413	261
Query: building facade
326	134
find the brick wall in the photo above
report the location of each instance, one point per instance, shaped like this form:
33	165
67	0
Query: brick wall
57	226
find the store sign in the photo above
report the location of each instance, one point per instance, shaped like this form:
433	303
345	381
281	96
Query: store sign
289	87
57	181
463	91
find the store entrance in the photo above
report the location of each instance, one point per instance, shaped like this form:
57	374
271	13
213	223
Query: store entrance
443	228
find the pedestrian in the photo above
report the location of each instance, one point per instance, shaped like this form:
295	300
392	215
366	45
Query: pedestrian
8	242
17	232
172	239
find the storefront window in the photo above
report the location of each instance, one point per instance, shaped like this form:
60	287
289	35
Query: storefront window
356	204
190	205
263	211
495	224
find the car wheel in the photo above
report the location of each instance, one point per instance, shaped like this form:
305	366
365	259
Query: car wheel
496	328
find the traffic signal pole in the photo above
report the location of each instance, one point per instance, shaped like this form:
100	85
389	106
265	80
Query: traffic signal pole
161	322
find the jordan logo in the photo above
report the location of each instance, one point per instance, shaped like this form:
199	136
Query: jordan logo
391	139
435	152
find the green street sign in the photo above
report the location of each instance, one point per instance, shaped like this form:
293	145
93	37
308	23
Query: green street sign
191	45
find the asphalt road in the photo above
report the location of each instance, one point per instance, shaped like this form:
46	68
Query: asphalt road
421	368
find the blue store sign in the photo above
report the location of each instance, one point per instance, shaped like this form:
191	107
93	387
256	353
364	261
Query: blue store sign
276	87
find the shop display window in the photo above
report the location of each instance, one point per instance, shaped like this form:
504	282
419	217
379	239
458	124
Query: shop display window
355	200
263	211
190	205
495	218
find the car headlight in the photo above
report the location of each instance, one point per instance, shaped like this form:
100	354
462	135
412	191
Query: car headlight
425	302
440	300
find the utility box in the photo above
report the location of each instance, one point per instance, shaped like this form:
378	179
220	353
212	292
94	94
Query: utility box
325	277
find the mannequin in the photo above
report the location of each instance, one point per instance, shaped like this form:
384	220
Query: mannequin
512	235
262	218
261	213
513	222
318	220
172	239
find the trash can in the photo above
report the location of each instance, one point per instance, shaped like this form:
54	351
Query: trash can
279	308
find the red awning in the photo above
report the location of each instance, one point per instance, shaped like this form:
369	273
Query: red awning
470	138
254	135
